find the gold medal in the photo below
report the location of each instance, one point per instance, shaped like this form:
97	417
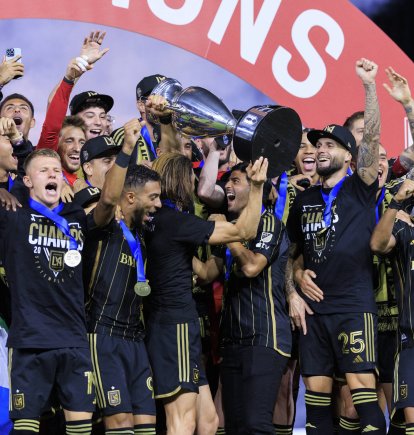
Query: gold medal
142	288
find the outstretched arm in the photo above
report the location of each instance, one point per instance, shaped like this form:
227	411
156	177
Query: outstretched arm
368	152
399	90
246	226
382	240
115	178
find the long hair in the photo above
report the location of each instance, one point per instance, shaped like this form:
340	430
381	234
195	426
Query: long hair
176	173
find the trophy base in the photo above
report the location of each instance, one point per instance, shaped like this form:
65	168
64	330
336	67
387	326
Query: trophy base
274	132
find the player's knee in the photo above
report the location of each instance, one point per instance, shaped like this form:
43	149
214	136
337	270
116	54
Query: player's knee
208	424
119	420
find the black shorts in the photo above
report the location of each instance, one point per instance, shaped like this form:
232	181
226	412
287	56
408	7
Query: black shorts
338	343
174	350
122	375
35	373
387	348
403	384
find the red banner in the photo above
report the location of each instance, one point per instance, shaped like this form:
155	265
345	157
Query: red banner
300	53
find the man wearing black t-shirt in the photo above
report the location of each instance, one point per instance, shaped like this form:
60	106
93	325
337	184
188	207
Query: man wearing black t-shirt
396	236
47	340
330	227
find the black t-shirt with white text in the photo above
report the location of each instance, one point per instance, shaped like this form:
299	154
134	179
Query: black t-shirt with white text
47	296
339	255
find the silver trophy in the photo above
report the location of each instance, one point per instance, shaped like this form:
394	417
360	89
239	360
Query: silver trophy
274	132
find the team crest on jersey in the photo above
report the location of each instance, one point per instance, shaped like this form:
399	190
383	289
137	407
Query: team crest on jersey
403	391
56	260
319	239
114	397
196	375
18	401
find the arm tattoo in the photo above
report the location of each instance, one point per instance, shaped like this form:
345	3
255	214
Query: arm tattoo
368	157
289	283
410	115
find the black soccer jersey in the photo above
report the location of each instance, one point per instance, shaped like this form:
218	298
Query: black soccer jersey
47	296
141	151
403	266
340	254
254	309
109	274
171	240
384	282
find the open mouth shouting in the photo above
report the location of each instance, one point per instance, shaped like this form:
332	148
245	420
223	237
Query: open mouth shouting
309	164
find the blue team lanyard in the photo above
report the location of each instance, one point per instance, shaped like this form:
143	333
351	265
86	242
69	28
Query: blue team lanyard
281	197
328	199
378	204
11	182
147	138
59	221
135	247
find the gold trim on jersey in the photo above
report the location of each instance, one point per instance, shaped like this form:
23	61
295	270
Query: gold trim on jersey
173	393
95	265
369	337
100	392
183	353
9	367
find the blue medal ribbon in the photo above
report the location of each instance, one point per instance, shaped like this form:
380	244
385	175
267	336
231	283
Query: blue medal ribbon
282	196
11	182
135	247
147	138
349	171
328	199
229	262
378	204
59	221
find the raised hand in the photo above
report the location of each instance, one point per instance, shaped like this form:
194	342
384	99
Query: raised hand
8	128
132	132
399	89
9	69
366	70
91	48
258	171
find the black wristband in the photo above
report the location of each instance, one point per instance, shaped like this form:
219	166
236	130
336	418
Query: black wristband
122	159
165	119
395	205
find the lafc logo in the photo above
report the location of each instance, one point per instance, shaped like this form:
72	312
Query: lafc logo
56	261
403	391
114	397
18	401
196	376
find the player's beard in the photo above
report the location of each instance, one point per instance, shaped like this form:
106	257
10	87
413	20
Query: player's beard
326	171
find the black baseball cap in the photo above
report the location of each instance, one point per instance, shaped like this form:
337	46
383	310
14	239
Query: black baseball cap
89	99
336	132
87	196
101	146
147	84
